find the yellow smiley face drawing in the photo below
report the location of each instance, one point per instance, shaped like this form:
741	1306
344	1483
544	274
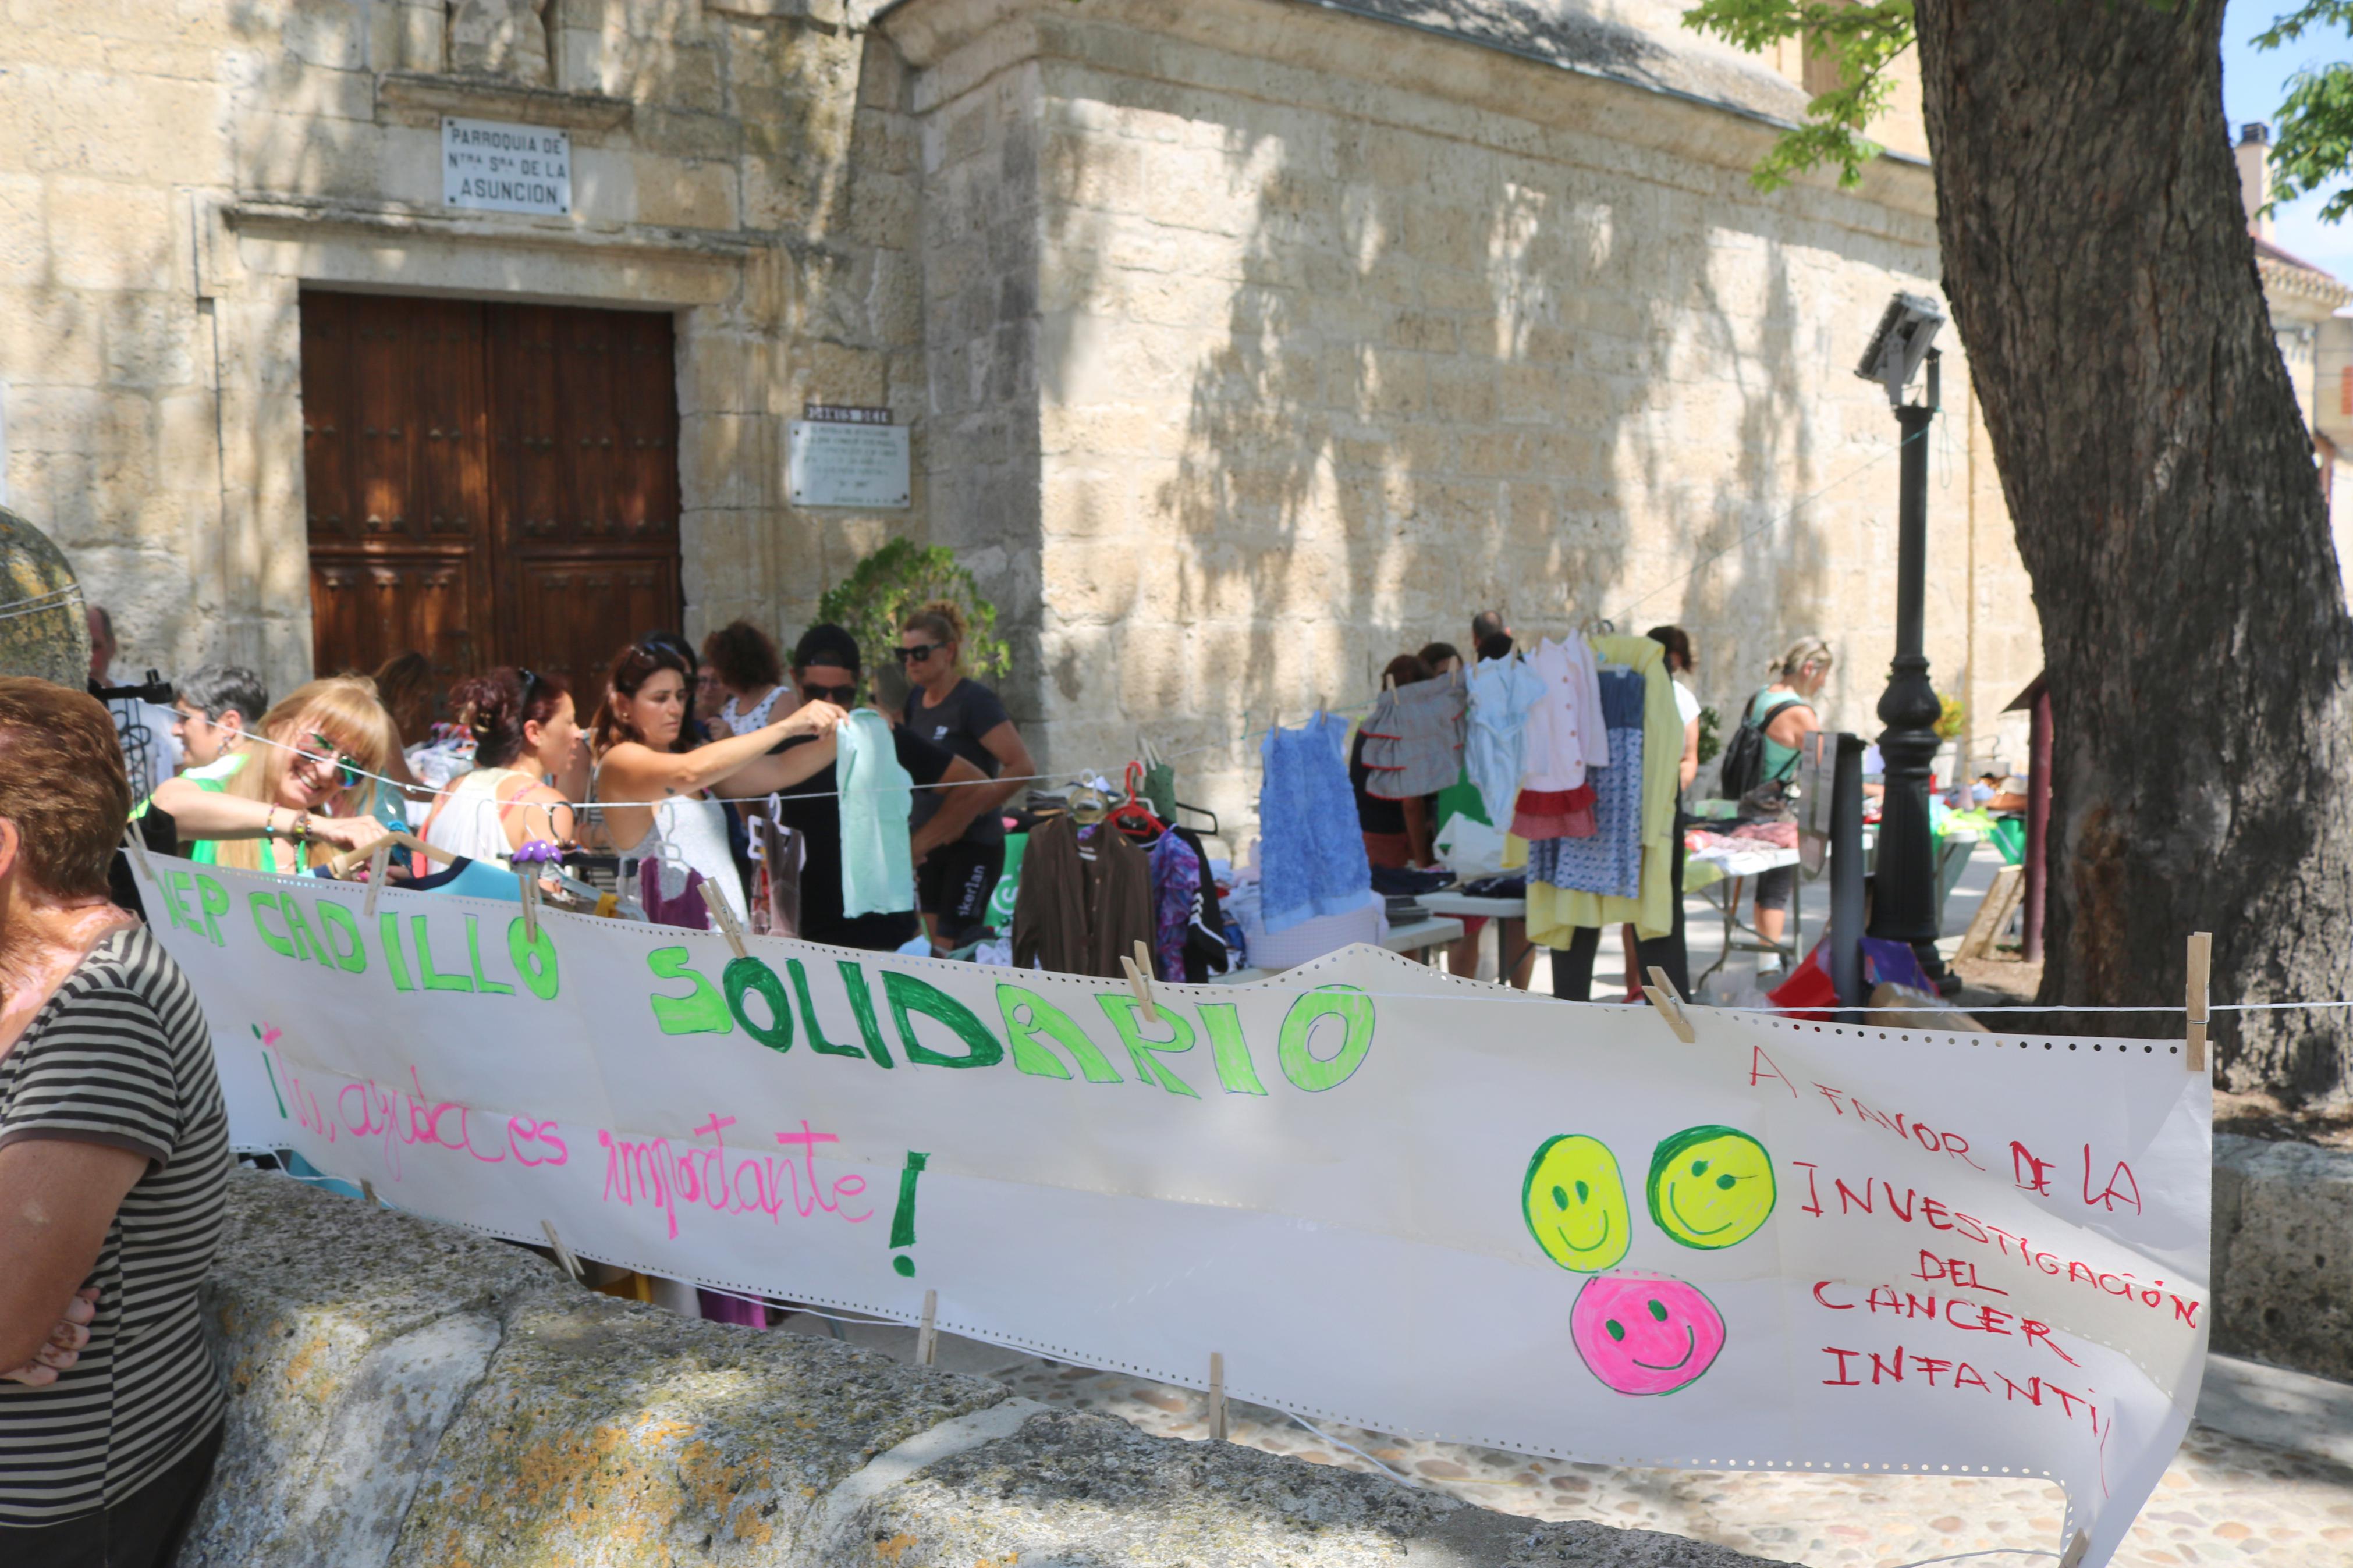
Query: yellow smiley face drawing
1574	1203
1711	1186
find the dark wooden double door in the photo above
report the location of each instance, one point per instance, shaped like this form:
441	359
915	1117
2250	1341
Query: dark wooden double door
488	484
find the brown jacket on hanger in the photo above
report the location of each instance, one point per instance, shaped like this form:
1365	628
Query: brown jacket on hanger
1078	915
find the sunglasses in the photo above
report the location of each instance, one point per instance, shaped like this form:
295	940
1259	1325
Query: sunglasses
530	679
920	652
840	696
330	755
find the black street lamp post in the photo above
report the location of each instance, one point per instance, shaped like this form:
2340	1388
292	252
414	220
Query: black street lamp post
1903	898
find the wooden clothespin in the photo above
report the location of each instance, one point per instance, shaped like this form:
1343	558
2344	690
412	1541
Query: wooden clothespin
379	865
927	1333
2073	1556
527	888
564	1253
1670	1002
1139	972
138	850
2201	961
724	913
1216	1396
367	1191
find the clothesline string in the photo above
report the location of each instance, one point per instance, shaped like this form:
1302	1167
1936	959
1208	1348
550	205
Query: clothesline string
789	792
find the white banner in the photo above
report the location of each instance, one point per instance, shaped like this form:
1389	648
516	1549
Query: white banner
1389	1198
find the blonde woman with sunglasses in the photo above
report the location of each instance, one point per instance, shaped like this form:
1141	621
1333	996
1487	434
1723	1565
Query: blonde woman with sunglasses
301	794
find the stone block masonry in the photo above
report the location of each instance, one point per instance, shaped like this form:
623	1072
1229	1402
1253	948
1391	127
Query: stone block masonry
408	1392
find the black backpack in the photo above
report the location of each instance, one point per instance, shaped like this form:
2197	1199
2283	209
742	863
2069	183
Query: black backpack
1743	770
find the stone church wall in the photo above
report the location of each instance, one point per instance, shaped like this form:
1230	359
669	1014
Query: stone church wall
1244	343
1344	333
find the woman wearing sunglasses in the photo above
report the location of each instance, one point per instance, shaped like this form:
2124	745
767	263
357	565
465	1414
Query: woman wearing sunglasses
304	793
959	715
644	711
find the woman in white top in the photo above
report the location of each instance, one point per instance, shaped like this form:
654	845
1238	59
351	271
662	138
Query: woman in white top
634	746
740	660
525	731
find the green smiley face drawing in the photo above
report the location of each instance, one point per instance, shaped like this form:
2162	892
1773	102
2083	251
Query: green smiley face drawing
1711	1186
1574	1199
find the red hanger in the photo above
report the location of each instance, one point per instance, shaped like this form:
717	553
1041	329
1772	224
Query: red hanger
1131	817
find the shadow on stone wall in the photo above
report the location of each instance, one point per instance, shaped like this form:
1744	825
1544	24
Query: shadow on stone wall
1444	379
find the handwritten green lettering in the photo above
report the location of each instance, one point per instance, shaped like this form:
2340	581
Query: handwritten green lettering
394	961
433	981
740	977
1127	1015
215	899
489	987
817	1042
701	1011
862	1007
535	962
342	937
1236	1074
1299	1065
1029	1017
275	943
910	995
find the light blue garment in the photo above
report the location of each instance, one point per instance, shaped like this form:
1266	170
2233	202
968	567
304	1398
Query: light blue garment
1311	852
878	870
1495	751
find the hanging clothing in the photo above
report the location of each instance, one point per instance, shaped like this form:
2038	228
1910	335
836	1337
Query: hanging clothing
1555	913
1565	734
1082	904
1494	751
672	894
1176	875
1414	738
878	871
1610	860
812	809
1206	952
1312	853
695	832
1160	790
1556	813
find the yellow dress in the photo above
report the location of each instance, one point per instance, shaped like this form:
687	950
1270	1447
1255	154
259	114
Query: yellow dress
1555	913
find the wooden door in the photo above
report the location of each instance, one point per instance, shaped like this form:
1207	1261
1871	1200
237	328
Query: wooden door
585	501
487	483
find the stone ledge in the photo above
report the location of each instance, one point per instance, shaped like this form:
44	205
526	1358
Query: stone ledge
405	1393
290	218
488	98
2282	1269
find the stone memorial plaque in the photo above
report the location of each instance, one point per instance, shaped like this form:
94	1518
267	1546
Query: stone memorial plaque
498	167
850	463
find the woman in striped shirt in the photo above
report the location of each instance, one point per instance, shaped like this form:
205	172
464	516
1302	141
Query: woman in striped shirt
114	1165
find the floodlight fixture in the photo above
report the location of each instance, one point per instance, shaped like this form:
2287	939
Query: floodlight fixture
1900	341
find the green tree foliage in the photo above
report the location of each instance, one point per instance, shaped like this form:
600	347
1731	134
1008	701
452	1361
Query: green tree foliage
873	602
1865	41
2314	147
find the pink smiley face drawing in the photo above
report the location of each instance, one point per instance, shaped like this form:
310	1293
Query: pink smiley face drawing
1644	1335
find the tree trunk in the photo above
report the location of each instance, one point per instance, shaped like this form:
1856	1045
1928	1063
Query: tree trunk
2098	264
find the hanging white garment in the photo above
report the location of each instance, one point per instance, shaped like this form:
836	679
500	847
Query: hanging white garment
1566	733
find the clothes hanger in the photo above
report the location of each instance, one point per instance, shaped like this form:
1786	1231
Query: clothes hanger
341	865
1131	817
1087	805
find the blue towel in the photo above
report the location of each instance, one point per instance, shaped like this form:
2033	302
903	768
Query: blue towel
1311	851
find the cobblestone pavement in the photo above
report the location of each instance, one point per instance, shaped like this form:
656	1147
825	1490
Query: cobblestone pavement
2224	1501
